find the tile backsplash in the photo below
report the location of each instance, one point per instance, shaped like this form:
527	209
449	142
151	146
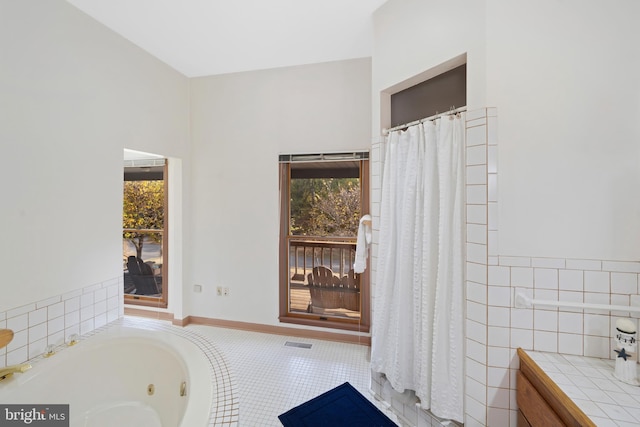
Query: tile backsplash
563	330
51	321
584	332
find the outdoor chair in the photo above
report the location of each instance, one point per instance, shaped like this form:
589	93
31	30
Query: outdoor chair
142	276
350	285
329	291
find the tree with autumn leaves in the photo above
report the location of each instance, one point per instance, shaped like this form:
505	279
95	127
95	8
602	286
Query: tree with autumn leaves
325	207
143	209
319	207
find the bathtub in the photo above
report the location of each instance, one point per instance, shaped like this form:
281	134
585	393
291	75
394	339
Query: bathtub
132	372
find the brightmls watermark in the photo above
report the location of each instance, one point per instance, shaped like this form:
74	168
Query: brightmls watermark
34	415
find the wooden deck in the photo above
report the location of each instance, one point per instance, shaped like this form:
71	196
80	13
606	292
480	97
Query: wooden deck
301	299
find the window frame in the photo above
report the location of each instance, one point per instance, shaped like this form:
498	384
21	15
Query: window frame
315	319
163	300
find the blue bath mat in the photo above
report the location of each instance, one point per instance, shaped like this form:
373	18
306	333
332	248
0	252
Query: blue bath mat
341	406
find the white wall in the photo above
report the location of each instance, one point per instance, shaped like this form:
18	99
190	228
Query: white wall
412	37
564	76
72	95
240	123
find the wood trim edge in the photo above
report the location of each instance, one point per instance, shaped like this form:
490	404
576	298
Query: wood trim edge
132	300
336	324
566	409
180	322
150	314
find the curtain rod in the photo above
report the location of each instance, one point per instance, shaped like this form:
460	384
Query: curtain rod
386	132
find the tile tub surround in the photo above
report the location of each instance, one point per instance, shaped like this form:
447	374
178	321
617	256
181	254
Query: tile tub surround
590	384
53	320
225	405
405	405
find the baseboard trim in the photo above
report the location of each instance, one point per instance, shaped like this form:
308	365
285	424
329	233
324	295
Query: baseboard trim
180	322
251	327
278	330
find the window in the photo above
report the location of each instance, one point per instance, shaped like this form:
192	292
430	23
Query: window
323	197
144	231
430	97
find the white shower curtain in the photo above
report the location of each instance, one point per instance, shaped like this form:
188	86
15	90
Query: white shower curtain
418	322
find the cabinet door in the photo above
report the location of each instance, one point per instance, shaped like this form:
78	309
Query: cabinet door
535	409
522	421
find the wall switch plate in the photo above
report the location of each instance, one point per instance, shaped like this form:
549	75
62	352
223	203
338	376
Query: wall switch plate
197	288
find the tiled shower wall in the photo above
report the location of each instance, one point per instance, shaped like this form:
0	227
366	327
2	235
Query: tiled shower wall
481	181
482	239
494	327
53	320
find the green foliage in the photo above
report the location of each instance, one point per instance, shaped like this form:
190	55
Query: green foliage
143	209
325	207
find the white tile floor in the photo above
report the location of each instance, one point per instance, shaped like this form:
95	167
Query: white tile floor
273	378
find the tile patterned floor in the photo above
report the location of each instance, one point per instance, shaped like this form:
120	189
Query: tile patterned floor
272	378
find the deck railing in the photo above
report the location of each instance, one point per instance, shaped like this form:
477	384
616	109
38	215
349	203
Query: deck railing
321	279
305	254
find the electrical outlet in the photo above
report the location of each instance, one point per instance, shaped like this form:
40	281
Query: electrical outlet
226	292
219	291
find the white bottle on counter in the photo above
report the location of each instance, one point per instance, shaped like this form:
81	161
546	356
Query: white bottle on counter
626	352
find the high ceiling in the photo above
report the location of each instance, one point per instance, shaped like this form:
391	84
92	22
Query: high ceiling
207	37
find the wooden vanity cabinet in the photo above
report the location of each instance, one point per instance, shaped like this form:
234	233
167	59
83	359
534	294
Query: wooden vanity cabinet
541	403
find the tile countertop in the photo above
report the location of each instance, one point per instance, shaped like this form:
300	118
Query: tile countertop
590	384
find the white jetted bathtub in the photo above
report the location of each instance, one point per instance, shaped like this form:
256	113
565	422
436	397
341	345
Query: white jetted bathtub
131	373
